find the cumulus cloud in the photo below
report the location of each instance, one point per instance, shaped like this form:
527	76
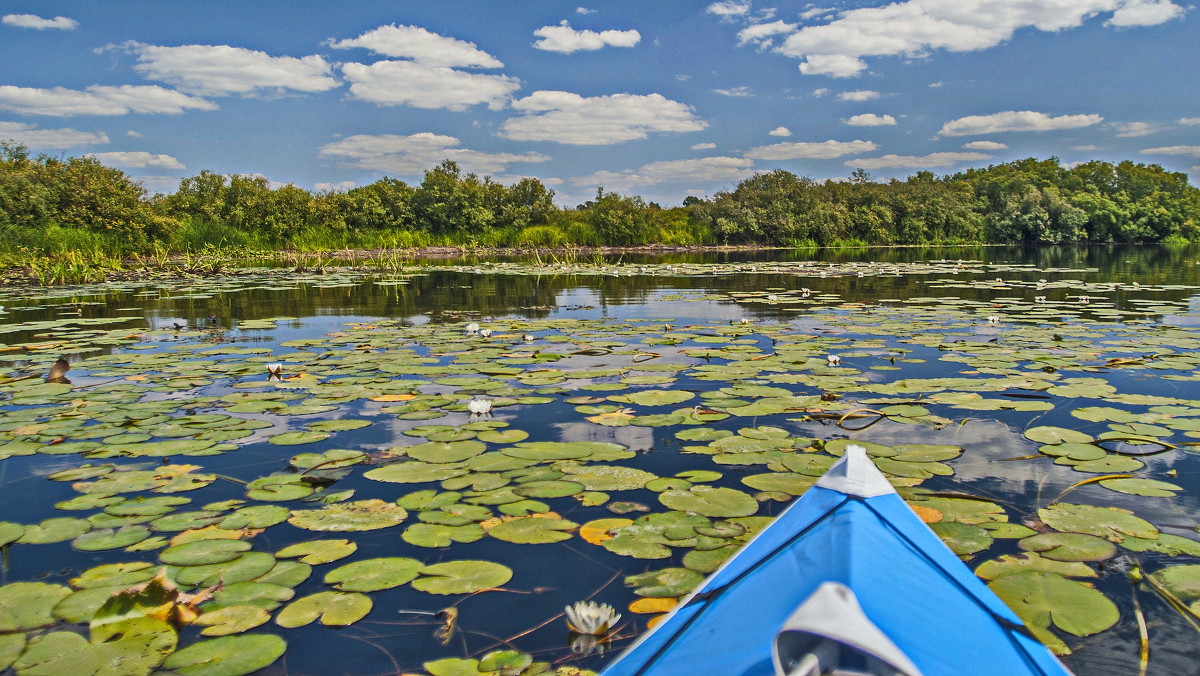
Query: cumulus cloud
340	186
858	95
408	83
780	131
735	92
138	160
728	8
216	70
914	28
871	120
704	146
29	135
985	145
98	100
1189	121
701	170
1144	13
1194	151
565	40
411	155
930	161
1134	129
572	119
420	45
761	33
824	150
36	22
1015	120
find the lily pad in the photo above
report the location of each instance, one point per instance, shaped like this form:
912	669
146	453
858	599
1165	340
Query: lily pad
1110	523
532	530
374	574
316	552
1069	546
1045	599
227	655
360	515
462	577
335	609
710	501
664	583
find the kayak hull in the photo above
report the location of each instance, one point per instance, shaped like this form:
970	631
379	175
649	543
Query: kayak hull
907	582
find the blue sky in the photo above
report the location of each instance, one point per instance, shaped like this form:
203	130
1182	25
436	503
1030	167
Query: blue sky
661	99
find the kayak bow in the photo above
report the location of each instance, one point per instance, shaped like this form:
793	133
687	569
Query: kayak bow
847	578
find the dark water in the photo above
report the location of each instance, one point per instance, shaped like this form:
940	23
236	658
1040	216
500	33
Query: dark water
392	639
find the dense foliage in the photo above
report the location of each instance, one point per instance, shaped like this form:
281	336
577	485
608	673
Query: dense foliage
50	204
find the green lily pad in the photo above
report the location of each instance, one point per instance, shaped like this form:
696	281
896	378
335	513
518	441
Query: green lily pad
11	647
461	577
340	425
29	605
109	538
204	552
360	515
532	530
231	620
1045	599
440	535
709	501
664	583
57	529
316	552
374	574
1056	435
246	567
335	609
1069	546
298	438
1145	487
227	655
1182	581
1109	523
415	472
962	539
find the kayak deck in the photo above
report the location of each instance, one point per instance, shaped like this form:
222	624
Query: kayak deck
853	530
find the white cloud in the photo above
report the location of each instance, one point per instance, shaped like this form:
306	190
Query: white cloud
1144	13
214	70
1014	120
572	119
735	92
138	160
815	12
858	95
565	40
985	145
1194	151
134	134
420	45
38	23
825	150
761	33
340	186
701	170
935	85
1085	148
914	28
1134	129
871	120
823	91
1190	121
30	135
780	131
728	8
931	161
704	146
412	155
395	83
98	100
584	10
833	65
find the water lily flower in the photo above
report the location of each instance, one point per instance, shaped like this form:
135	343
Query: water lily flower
833	359
805	292
1085	299
472	328
529	337
993	319
591	618
274	372
772	297
485	332
1039	299
480	407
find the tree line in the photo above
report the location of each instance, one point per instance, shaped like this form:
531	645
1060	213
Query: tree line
46	200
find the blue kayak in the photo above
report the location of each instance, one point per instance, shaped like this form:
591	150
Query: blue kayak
848	580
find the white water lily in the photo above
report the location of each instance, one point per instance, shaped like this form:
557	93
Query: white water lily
529	337
993	319
472	328
591	618
274	371
1039	299
833	359
480	406
485	332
